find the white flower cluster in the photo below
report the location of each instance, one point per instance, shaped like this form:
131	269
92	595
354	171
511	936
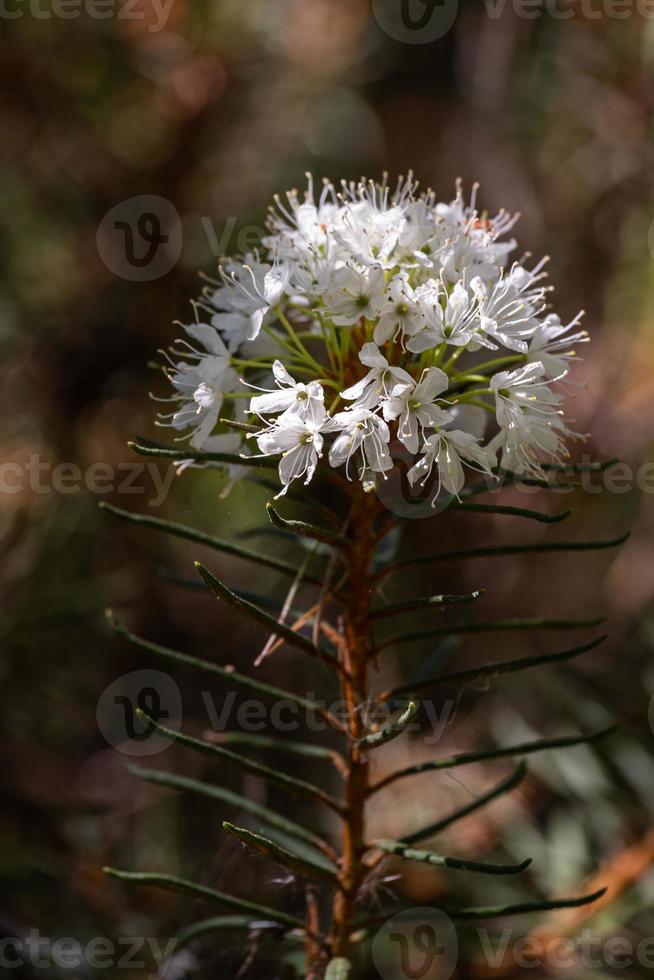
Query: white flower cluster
373	310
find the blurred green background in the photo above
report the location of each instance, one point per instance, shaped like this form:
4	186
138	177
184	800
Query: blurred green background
214	107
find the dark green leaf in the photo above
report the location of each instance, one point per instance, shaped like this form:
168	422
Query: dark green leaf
401	850
492	912
239	426
580	467
290	783
172	883
391	730
438	826
280	855
232	677
280	630
289	745
493	669
466	758
227	923
199	537
510	479
229	459
182	783
425	602
496	552
534	515
495	626
323	534
489	912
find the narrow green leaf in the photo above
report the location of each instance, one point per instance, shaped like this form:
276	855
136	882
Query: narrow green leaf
580	467
338	969
534	481
425	602
239	426
438	826
488	912
288	745
493	669
505	478
322	534
494	911
431	857
172	780
280	855
495	626
175	884
280	630
231	677
466	758
228	923
497	552
391	730
533	515
229	459
290	783
199	537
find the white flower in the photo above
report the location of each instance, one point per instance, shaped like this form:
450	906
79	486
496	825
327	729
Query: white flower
521	392
369	234
471	243
509	307
413	405
552	346
413	288
313	276
445	450
248	293
302	230
293	397
364	432
355	293
529	418
378	383
401	313
201	382
456	323
300	442
419	237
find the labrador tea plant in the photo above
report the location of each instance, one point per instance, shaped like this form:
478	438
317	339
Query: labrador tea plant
378	348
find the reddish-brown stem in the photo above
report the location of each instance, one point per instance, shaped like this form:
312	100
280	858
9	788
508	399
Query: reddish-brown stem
354	650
